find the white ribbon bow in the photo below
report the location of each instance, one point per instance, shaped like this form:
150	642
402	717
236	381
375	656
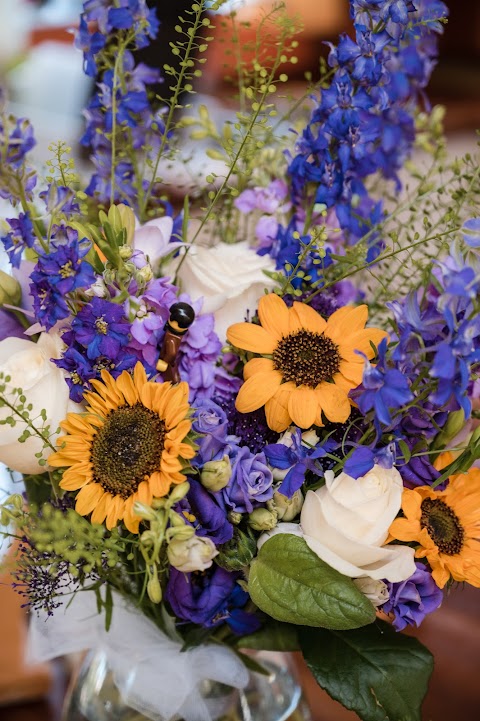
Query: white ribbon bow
153	675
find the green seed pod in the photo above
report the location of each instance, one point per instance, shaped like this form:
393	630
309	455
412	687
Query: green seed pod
238	552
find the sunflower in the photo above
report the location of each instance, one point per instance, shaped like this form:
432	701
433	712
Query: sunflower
308	364
128	446
446	525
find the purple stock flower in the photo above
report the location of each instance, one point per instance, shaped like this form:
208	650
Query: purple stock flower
151	312
199	350
251	482
210	599
411	600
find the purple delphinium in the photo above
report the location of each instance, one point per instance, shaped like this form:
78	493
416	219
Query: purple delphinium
298	458
210	599
411	600
100	327
251	481
58	273
21	236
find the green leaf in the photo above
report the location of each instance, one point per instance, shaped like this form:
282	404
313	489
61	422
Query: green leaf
375	671
290	583
273	636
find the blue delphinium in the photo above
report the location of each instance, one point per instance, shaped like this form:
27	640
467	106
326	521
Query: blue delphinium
17	179
101	328
20	237
299	457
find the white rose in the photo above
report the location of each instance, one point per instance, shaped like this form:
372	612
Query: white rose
43	384
230	279
346	524
192	554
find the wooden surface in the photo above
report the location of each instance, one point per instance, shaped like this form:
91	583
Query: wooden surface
452	634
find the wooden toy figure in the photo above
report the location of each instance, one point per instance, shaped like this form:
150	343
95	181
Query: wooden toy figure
181	318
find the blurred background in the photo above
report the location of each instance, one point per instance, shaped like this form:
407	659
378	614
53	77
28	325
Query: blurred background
41	76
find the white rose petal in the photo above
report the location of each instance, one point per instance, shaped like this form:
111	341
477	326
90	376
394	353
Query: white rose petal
346	524
229	278
293	528
29	366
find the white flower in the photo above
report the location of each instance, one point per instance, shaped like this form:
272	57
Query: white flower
376	591
346	524
292	528
153	239
29	366
286	508
192	554
230	279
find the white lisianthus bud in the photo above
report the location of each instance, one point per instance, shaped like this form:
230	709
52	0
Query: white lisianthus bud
261	519
178	493
180	533
10	290
193	554
98	289
144	274
126	252
286	508
376	591
216	474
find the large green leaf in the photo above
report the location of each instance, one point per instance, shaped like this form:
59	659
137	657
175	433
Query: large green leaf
290	583
273	636
380	674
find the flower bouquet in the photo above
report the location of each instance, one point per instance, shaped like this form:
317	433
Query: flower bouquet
250	421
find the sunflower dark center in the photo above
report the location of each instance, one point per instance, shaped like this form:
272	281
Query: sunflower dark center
305	357
127	449
443	526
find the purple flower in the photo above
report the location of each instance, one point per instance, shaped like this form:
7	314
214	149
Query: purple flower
413	599
20	237
364	458
10	326
298	458
151	312
211	422
382	388
59	199
471	232
210	599
101	328
203	512
199	350
251	482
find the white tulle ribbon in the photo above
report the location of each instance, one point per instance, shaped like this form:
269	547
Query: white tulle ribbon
151	672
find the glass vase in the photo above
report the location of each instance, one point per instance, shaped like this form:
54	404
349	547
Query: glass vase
273	696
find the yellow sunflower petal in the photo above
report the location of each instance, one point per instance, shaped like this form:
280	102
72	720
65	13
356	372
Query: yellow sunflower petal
276	409
127	387
257	390
87	498
303	406
346	321
361	342
248	336
334	402
159	484
144	493
257	365
273	314
304	316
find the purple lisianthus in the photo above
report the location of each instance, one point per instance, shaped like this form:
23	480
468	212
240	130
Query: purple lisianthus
411	600
101	328
211	421
203	512
209	599
251	482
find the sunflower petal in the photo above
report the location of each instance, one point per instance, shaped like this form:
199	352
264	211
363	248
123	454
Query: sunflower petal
303	406
273	314
276	409
257	365
334	402
306	317
87	498
248	336
346	321
257	390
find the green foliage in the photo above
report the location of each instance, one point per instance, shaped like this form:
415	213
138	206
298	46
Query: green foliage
290	583
273	636
19	413
237	553
380	674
